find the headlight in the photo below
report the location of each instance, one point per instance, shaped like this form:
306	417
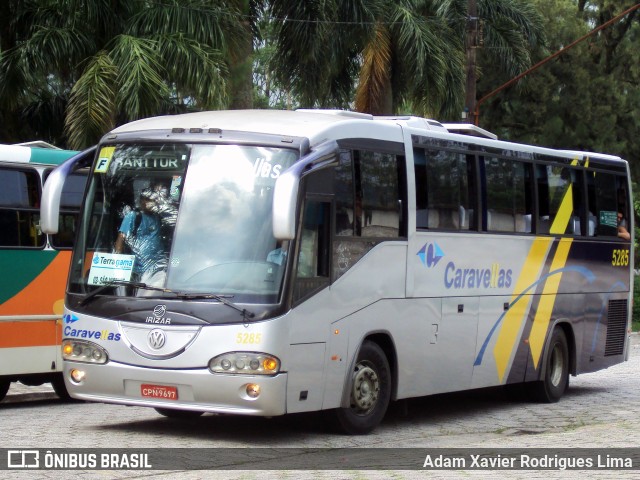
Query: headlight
82	351
245	363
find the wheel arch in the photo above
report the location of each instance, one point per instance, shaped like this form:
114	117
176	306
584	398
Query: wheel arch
567	327
384	340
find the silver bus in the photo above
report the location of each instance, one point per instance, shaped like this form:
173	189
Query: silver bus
270	262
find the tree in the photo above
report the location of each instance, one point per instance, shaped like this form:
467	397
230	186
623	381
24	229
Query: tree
110	62
241	53
316	48
402	53
587	98
411	55
268	92
41	94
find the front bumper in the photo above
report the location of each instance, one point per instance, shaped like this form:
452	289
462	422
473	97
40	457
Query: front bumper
198	389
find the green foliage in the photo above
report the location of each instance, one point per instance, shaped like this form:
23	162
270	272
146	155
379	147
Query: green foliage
90	64
405	53
635	325
112	62
585	99
93	101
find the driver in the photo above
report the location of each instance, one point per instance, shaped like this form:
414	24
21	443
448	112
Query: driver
140	231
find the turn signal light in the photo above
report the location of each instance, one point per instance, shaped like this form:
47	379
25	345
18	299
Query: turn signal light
270	364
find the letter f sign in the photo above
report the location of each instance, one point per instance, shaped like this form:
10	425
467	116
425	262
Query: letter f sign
106	154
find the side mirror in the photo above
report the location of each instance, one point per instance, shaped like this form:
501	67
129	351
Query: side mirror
285	195
52	192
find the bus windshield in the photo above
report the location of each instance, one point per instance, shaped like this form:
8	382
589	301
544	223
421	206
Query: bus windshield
186	218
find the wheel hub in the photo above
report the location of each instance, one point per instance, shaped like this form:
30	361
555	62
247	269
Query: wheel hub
556	366
366	389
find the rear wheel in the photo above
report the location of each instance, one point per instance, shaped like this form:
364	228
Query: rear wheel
4	388
173	413
556	370
370	391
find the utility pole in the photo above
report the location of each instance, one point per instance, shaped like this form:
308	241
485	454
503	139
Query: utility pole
472	43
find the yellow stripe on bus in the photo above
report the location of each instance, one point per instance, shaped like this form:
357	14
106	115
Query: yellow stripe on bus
515	317
561	222
552	284
547	301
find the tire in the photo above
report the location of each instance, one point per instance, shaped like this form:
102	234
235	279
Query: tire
60	388
173	413
556	370
4	388
369	392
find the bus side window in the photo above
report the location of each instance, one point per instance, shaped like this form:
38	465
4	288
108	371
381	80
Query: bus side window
344	192
20	208
560	205
603	202
508	195
312	271
378	202
445	189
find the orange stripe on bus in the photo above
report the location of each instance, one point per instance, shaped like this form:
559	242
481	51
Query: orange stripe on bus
45	294
30	334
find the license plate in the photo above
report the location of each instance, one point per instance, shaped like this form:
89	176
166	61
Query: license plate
159	391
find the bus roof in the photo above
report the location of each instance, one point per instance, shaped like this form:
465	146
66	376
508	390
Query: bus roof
313	125
23	154
320	125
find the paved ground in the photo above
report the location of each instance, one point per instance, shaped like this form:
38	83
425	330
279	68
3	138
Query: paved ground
600	410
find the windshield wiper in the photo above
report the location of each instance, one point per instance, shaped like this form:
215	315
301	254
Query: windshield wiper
119	283
246	314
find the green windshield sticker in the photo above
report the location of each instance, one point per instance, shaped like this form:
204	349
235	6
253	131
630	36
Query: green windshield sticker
608	218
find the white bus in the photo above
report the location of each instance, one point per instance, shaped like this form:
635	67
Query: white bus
34	266
269	262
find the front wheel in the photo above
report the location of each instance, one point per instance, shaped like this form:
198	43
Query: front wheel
556	370
370	392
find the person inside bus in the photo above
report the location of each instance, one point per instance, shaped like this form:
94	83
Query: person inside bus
623	231
279	255
140	232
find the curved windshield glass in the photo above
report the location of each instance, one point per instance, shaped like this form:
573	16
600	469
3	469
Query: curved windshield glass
186	218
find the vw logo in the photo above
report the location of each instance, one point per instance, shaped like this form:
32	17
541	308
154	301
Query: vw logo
159	311
156	338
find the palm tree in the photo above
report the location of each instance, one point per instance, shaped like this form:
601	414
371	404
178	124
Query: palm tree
406	52
24	89
412	57
120	60
317	47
